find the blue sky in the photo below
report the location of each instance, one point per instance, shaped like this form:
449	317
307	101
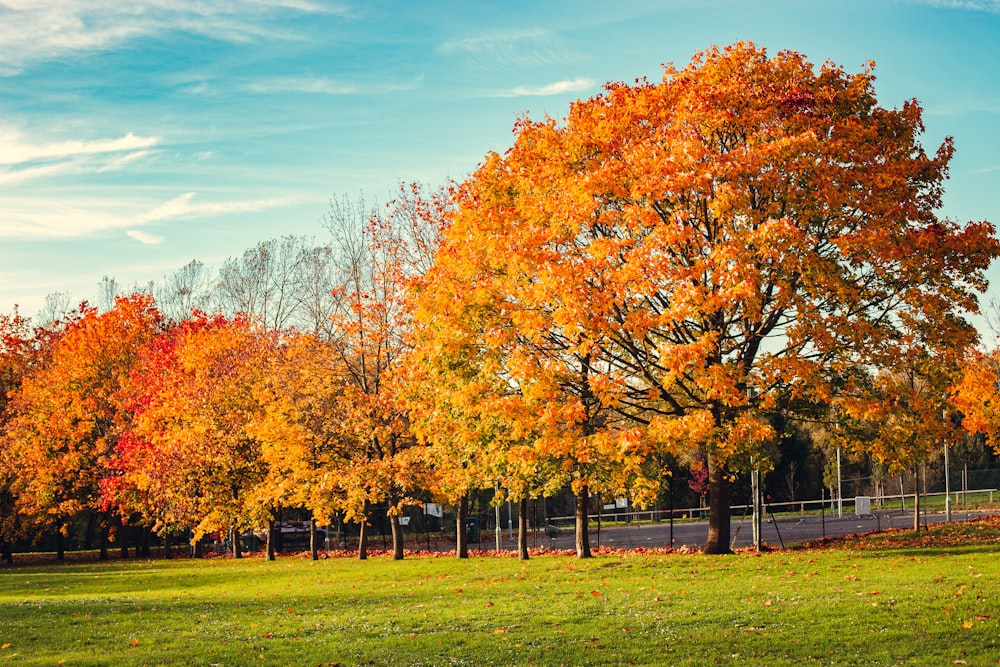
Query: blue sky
137	136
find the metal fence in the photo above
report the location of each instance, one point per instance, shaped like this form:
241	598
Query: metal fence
968	490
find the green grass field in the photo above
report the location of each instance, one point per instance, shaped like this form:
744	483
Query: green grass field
891	599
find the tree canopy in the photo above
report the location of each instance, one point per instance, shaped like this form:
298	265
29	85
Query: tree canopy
690	255
675	272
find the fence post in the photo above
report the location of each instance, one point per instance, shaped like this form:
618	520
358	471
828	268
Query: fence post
947	486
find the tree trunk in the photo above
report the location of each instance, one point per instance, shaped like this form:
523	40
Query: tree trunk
582	529
397	537
8	555
237	545
395	528
718	508
88	536
363	538
461	529
168	547
916	501
313	540
522	529
144	539
103	529
269	550
123	546
61	547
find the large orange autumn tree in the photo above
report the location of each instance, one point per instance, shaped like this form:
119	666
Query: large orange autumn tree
694	254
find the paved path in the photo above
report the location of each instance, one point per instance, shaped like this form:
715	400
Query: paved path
787	531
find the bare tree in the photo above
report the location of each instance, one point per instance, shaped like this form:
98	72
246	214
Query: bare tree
262	282
54	310
183	291
375	254
316	286
792	484
107	290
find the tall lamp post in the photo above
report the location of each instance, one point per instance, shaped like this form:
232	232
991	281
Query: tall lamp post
947	476
499	530
755	490
840	495
755	485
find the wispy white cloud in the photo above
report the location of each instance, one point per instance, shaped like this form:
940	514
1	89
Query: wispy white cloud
14	151
121	162
326	86
990	6
184	206
302	85
37	218
25	160
33	30
500	51
30	218
494	42
30	173
143	237
557	88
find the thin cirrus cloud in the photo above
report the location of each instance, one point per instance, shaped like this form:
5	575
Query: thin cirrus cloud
557	88
25	161
502	51
29	218
143	237
15	151
302	85
185	206
32	219
121	162
36	30
990	6
496	42
326	86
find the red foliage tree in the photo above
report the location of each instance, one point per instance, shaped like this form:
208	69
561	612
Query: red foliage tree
66	418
